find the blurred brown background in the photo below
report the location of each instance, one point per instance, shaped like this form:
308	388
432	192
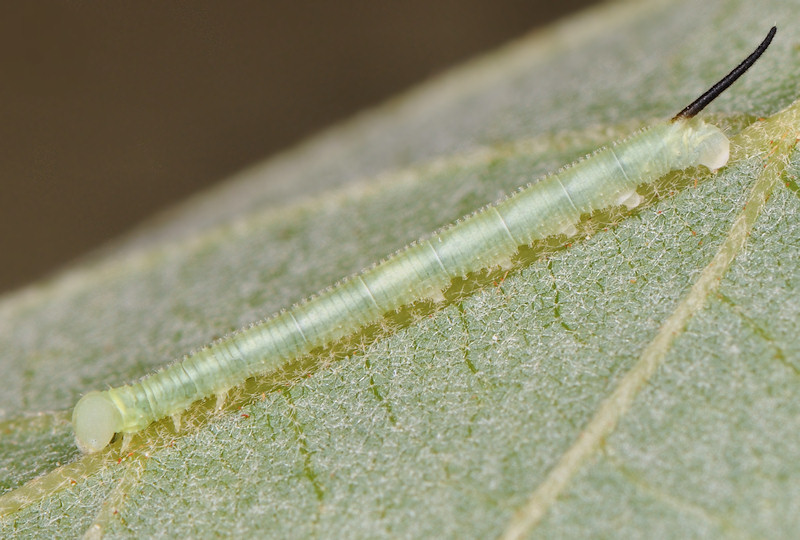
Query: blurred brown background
110	112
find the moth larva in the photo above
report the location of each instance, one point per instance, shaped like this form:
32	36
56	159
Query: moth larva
423	269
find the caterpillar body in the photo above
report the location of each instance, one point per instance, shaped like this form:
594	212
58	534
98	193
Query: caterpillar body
489	237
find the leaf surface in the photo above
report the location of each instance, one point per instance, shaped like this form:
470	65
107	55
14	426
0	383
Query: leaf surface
640	381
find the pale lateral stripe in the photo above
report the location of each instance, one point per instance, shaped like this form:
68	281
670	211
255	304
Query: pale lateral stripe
619	164
505	226
438	259
297	325
369	292
567	195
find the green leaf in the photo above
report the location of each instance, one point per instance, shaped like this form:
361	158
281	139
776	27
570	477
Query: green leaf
640	382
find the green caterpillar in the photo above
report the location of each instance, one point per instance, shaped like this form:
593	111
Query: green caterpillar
486	238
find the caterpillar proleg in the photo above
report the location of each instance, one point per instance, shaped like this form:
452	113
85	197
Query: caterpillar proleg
486	238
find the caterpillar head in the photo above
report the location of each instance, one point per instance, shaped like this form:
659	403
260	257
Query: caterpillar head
95	420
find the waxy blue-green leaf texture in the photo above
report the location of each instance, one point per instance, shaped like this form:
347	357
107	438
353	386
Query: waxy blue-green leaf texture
641	381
